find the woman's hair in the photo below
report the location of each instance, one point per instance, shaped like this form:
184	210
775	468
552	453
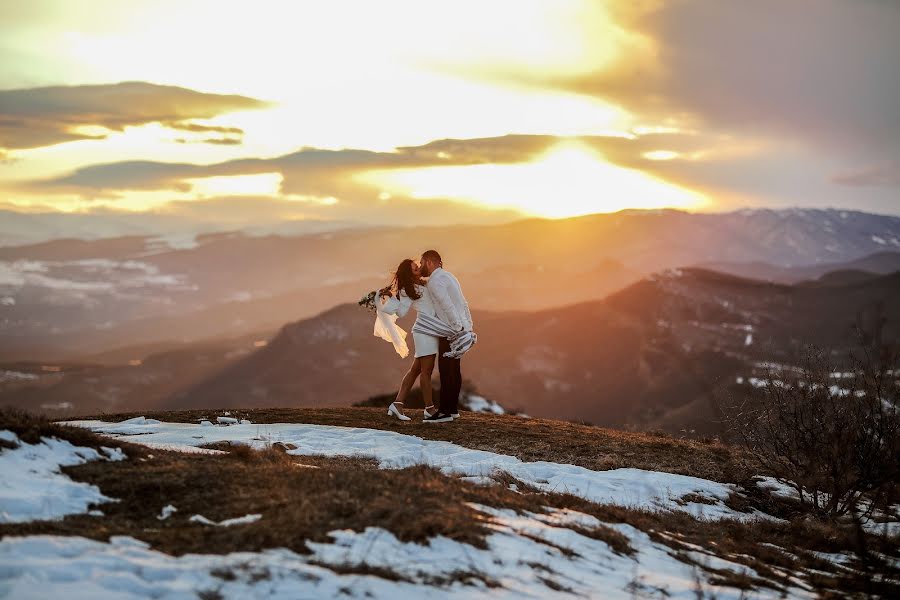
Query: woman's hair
404	279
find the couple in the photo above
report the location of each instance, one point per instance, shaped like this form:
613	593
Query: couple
442	332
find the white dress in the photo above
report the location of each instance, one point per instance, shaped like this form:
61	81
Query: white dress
426	345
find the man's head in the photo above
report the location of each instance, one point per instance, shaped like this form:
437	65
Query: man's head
430	261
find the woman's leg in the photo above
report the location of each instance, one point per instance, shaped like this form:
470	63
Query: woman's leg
408	380
426	367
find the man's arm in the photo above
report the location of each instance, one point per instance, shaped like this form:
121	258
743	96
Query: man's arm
441	296
462	305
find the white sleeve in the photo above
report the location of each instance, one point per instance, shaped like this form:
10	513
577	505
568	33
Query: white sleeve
441	297
397	306
386	328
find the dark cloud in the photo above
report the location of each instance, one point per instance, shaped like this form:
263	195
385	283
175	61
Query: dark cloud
826	70
108	180
196	127
823	76
35	117
221	141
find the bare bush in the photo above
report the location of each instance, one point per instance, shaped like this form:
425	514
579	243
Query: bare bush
831	433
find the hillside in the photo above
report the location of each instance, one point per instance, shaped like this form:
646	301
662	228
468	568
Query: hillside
66	298
879	263
345	502
649	356
136	377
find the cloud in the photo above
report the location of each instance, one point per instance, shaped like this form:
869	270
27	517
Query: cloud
44	116
826	71
731	170
105	179
322	173
884	174
196	127
226	141
814	81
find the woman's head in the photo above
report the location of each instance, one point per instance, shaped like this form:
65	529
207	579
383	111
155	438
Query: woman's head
406	277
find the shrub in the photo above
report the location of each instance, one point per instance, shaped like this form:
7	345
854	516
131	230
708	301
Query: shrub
833	434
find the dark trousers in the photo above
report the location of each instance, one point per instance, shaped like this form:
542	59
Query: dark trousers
451	378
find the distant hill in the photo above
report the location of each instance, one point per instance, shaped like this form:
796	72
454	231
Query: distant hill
135	377
647	356
882	263
66	298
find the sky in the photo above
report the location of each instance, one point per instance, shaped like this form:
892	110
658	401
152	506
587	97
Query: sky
415	112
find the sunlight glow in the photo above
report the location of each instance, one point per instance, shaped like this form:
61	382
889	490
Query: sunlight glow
262	184
569	180
661	155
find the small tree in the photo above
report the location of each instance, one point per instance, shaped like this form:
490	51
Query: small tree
833	434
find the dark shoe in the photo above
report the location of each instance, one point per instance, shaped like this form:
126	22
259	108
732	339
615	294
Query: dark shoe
438	418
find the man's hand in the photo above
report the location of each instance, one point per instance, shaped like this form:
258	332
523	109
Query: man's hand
461	331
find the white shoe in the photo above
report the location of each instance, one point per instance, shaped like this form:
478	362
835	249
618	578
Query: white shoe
428	414
392	411
455	416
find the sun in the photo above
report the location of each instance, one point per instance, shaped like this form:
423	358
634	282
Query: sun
570	179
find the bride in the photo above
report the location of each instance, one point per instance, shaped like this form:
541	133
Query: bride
407	290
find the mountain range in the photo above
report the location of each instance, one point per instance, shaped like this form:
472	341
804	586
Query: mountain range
67	298
651	355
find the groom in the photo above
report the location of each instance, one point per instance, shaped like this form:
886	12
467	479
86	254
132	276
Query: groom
452	308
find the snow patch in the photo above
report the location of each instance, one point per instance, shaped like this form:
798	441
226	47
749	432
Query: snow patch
33	488
480	404
6	376
166	512
227	522
636	488
529	555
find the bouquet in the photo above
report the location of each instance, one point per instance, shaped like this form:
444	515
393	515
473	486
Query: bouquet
368	301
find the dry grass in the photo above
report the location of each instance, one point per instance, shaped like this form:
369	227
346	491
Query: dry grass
527	439
298	504
303	498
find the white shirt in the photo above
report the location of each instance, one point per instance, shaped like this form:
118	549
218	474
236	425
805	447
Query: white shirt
449	303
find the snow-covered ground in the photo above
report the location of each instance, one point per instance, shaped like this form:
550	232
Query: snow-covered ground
634	488
516	557
32	486
529	555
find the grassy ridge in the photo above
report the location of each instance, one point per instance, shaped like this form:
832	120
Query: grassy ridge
525	438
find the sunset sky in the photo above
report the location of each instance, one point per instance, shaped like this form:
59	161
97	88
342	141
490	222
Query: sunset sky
466	111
